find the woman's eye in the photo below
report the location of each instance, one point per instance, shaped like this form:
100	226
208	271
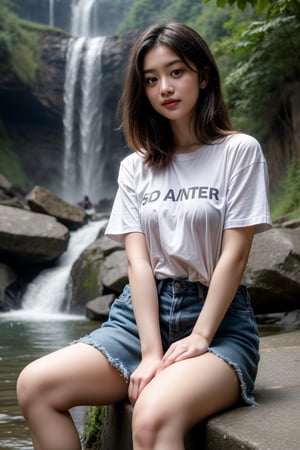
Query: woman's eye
150	80
176	72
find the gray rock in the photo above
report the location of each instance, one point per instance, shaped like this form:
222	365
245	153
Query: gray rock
114	271
274	267
86	280
43	201
98	309
27	237
11	195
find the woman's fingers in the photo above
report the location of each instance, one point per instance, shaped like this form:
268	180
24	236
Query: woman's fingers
189	347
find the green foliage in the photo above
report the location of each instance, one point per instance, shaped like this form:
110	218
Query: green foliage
111	9
19	47
289	202
265	57
96	423
183	11
206	18
143	14
242	4
10	165
90	282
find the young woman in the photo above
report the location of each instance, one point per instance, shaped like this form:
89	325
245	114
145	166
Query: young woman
181	341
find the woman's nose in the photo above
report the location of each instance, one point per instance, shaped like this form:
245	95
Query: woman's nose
166	87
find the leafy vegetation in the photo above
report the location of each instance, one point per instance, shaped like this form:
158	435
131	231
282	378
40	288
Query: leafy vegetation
10	165
19	47
96	423
259	4
289	202
265	56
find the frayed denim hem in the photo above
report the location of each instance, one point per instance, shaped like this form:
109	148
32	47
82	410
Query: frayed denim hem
114	362
246	398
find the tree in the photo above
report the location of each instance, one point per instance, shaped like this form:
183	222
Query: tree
266	60
19	46
260	4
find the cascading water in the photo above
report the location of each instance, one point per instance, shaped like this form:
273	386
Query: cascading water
46	293
51	13
84	18
83	107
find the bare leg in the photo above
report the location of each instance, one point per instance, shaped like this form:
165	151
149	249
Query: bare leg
50	386
178	398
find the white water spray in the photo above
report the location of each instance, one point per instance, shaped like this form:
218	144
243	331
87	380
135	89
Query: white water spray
46	292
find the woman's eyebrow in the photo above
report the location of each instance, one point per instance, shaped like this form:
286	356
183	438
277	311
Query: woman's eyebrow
171	63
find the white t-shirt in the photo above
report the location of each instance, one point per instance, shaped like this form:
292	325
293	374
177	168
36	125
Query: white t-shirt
183	209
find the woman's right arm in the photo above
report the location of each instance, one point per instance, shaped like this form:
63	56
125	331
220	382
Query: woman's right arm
145	304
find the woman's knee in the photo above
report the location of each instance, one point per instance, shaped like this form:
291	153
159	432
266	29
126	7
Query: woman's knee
31	384
149	421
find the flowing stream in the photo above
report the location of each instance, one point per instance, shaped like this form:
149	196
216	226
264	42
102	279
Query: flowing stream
36	330
46	293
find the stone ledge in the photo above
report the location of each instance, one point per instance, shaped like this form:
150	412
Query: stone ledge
272	425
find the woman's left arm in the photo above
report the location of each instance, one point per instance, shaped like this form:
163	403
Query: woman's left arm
236	245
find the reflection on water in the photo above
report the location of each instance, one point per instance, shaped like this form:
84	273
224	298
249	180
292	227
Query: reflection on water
23	338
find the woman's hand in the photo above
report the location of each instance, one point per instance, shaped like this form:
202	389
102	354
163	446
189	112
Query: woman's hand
188	347
144	373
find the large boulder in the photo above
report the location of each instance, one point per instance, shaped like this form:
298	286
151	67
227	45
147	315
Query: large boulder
114	270
11	195
89	279
43	201
98	309
27	237
274	267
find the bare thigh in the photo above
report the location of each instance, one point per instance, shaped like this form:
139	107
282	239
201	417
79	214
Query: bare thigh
187	392
76	375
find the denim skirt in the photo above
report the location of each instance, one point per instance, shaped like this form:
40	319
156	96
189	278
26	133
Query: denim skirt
180	301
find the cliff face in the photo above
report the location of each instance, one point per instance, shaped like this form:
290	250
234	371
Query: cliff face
34	116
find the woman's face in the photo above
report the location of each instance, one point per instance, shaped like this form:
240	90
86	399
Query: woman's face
171	86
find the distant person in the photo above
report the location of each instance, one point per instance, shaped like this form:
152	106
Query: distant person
181	340
87	204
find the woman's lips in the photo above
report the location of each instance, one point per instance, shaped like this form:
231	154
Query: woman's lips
170	103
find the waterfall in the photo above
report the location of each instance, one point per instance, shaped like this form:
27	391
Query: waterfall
46	292
83	141
84	18
83	107
51	13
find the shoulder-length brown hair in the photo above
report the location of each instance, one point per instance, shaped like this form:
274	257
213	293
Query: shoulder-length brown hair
148	131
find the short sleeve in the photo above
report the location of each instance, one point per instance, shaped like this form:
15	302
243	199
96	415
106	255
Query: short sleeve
124	217
247	194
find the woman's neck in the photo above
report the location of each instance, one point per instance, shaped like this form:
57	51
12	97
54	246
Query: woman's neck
185	140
